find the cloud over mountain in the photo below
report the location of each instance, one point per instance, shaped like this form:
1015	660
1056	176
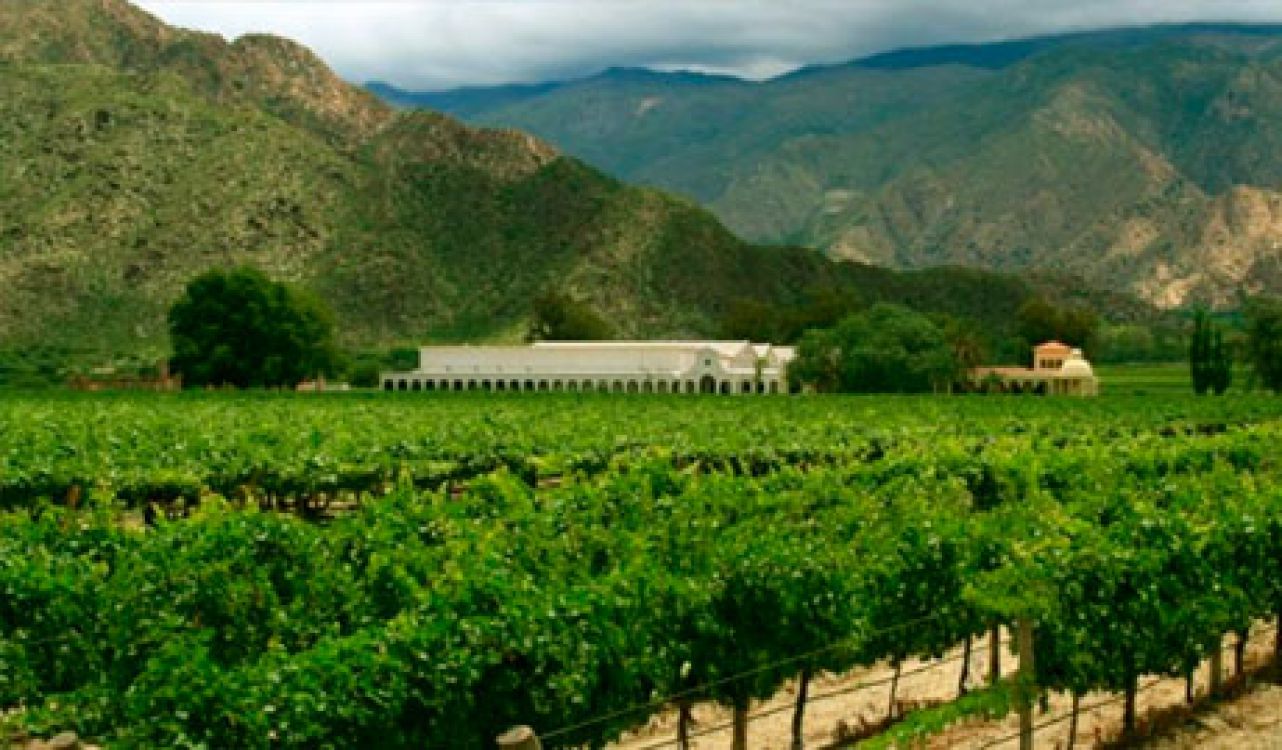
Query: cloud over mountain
432	44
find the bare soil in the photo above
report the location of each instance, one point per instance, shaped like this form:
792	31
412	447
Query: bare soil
844	703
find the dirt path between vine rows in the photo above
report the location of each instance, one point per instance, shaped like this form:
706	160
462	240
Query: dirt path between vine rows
842	703
1251	722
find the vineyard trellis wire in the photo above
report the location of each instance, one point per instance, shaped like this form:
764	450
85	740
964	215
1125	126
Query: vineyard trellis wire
1102	703
835	693
704	688
863	685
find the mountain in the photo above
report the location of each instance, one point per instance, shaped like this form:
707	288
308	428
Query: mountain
1143	160
136	155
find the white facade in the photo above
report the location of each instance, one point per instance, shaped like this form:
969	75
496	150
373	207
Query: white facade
729	367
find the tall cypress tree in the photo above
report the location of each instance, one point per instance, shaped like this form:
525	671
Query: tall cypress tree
1200	354
1221	363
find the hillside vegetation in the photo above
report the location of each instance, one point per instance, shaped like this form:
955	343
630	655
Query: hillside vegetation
137	156
1144	160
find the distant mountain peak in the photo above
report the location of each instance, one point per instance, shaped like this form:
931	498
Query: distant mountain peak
1109	153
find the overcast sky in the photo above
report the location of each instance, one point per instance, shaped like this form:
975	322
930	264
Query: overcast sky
436	44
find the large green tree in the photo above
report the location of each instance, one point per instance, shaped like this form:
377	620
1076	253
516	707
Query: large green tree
559	317
885	349
1040	320
1264	340
240	328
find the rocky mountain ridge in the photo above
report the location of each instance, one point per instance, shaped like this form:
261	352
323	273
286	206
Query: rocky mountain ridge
1143	160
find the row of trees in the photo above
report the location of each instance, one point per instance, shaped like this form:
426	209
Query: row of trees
240	328
892	349
1259	342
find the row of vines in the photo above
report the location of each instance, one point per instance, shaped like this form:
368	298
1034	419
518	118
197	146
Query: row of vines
678	573
139	449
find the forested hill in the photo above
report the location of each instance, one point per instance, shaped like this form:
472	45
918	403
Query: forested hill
1146	160
137	155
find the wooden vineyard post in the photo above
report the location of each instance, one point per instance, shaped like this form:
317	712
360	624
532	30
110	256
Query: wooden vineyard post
1217	669
1277	647
519	738
995	654
1026	683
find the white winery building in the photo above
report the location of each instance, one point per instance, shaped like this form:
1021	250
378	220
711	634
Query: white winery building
727	367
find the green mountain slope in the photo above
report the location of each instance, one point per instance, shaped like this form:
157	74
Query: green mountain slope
136	156
1144	160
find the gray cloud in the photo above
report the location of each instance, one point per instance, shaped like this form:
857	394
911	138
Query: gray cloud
434	44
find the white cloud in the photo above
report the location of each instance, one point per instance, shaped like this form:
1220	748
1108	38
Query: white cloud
443	43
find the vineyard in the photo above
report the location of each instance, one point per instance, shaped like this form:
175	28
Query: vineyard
409	571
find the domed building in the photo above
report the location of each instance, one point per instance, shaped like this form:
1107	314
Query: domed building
1058	370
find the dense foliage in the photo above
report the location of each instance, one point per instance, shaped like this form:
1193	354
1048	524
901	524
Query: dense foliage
1264	340
705	552
560	317
886	349
1041	320
411	226
241	328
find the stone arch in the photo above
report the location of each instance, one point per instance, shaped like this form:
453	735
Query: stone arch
725	388
707	384
745	386
529	385
543	385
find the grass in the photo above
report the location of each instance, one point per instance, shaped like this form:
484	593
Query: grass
1145	378
1161	378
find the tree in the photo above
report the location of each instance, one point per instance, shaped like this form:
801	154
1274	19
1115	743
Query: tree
1200	366
558	317
1221	363
886	349
242	329
967	341
1264	340
755	321
1039	321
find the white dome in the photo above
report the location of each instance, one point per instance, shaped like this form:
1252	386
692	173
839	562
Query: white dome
1076	366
